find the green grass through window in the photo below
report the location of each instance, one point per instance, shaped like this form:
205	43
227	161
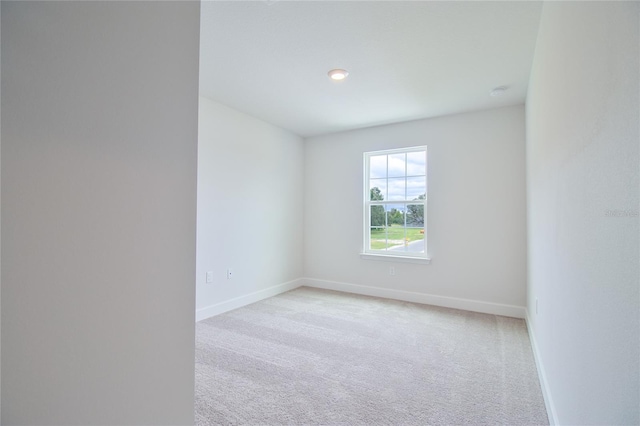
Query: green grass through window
383	238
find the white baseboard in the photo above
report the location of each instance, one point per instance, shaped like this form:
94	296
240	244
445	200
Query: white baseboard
427	299
247	299
544	384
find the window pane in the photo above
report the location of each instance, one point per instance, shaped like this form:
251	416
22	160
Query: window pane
396	237
378	191
377	239
378	166
416	187
397	165
416	163
377	216
415	215
396	189
395	215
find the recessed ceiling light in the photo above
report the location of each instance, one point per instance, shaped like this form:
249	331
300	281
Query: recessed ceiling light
498	91
338	74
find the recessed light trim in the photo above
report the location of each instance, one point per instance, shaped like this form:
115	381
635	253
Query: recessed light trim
498	91
338	74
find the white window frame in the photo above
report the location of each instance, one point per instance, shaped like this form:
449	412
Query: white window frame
399	256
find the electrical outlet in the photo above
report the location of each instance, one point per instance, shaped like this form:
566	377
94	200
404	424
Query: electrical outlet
392	270
229	274
209	277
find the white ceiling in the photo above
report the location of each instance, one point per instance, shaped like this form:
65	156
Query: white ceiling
407	59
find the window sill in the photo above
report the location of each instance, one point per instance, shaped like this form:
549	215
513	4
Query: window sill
391	258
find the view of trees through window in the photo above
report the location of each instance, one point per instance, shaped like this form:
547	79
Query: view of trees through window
397	198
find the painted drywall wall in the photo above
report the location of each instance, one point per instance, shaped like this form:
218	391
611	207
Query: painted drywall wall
0	219
99	146
476	211
582	183
250	209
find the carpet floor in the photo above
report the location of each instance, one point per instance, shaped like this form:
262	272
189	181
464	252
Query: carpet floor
319	357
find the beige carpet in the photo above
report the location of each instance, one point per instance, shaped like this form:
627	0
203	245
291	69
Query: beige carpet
318	357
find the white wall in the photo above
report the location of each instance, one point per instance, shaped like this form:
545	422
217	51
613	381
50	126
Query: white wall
99	140
582	161
476	212
0	222
250	209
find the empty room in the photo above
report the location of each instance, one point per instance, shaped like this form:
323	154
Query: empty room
333	212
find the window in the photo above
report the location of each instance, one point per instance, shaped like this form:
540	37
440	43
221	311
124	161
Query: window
395	201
